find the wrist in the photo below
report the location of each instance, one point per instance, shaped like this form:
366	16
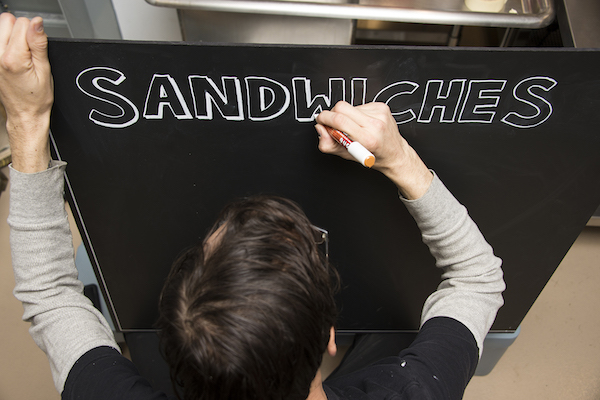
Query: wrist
29	143
411	176
417	186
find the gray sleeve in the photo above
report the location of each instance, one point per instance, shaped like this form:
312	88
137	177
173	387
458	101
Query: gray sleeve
472	278
64	323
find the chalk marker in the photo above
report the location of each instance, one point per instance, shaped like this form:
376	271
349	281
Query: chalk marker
356	150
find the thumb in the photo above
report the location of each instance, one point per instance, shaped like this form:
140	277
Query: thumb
37	40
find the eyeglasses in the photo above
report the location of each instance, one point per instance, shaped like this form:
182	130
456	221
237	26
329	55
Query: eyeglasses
322	240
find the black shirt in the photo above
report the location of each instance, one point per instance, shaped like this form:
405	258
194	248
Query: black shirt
437	365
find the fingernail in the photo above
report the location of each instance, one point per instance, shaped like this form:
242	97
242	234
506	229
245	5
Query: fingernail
40	26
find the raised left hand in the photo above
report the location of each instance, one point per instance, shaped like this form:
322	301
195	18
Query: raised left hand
26	90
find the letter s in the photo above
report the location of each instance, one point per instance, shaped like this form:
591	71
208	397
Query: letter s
542	109
88	81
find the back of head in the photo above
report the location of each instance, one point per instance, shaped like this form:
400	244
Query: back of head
249	316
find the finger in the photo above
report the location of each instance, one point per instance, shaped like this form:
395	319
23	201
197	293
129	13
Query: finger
326	142
7	21
380	111
328	145
367	135
359	123
338	120
37	41
19	31
17	48
361	115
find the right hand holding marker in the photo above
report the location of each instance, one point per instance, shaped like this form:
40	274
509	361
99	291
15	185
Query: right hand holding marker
375	128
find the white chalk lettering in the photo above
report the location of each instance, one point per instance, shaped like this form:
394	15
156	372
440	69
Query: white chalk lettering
89	82
390	96
164	93
359	91
446	103
207	95
308	107
449	101
480	102
542	108
267	98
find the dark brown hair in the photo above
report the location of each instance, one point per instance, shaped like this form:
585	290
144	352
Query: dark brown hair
250	319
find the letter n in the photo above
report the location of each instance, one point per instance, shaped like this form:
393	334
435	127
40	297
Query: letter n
227	99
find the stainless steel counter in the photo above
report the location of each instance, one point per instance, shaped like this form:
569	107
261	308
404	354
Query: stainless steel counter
514	13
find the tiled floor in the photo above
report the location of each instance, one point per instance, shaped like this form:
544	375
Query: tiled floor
556	356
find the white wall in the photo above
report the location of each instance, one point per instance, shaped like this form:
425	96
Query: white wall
139	20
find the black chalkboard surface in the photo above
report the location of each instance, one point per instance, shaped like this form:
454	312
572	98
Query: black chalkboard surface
159	136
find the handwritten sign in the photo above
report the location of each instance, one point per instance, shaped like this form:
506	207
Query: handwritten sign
459	101
159	136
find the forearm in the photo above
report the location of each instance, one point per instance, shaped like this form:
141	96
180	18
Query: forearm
409	173
29	144
471	290
374	127
472	279
64	323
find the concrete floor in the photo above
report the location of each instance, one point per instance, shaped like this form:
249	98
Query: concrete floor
556	356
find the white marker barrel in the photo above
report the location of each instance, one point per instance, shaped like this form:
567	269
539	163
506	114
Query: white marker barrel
364	156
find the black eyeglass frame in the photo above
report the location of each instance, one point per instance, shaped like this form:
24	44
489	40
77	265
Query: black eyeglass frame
322	239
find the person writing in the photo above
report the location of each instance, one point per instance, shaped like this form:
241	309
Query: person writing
249	311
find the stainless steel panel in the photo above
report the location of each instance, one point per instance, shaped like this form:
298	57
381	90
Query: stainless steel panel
90	19
36	6
515	13
584	22
212	26
55	24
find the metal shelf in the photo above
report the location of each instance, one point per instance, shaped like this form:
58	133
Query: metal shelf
515	13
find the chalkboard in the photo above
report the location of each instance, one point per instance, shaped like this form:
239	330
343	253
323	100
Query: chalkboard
159	136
